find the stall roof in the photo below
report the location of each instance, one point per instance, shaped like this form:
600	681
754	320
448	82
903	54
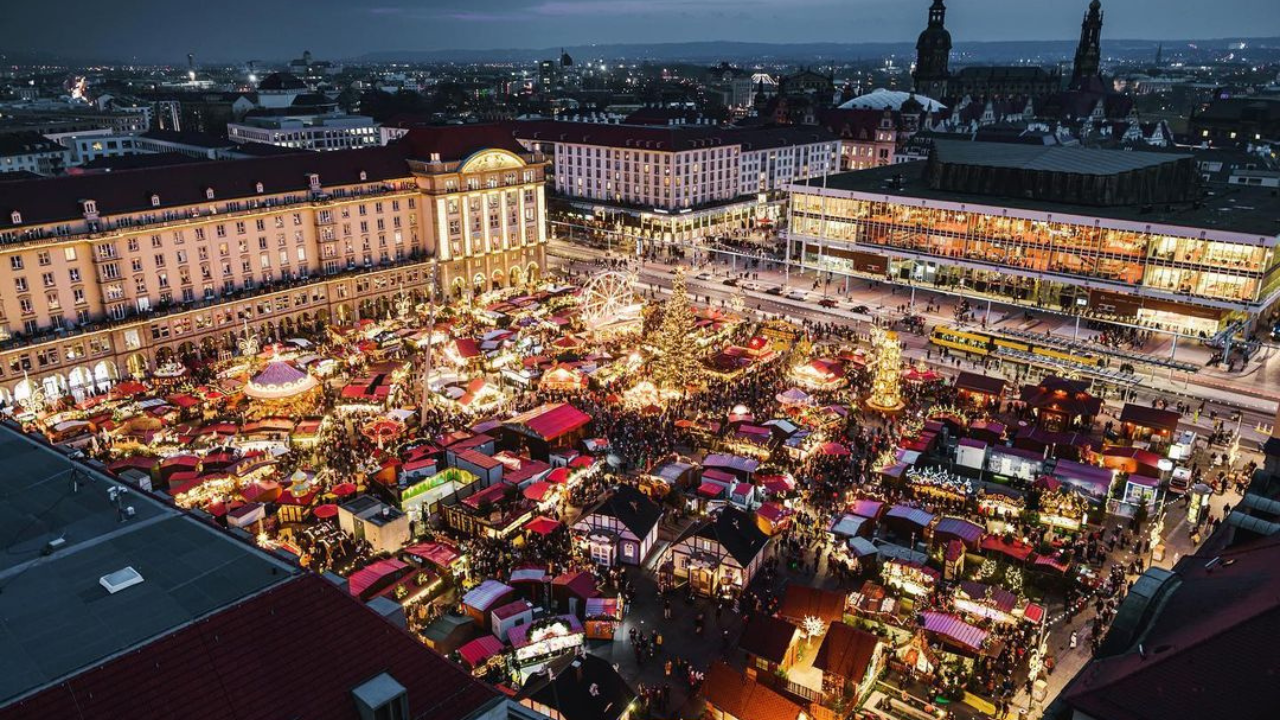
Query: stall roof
866	508
367	576
849	525
984	384
483	596
550	421
910	514
970	533
731	462
846	652
1003	600
437	553
953	627
478	651
1151	418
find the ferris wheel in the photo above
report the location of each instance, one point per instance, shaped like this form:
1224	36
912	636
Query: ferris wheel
607	298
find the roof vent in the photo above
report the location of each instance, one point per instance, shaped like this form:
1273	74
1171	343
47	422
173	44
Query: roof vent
119	580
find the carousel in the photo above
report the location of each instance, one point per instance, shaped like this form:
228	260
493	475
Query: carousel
281	389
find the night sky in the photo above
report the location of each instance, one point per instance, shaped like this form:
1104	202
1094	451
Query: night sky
151	30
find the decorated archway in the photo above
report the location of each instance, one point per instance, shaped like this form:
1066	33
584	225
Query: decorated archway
24	390
55	386
136	366
517	276
105	374
533	273
164	356
80	382
497	279
458	287
478	282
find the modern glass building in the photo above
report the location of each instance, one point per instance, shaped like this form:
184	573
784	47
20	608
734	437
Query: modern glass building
1127	236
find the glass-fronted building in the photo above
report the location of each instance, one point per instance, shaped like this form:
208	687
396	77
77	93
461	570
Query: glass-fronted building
1188	267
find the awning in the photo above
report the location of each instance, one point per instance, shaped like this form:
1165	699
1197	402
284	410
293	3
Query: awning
537	491
542	525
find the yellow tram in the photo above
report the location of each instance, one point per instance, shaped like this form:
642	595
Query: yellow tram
984	344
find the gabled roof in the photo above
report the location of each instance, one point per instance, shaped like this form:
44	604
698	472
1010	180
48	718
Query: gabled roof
328	642
801	601
550	421
744	699
582	687
631	507
846	651
735	531
769	638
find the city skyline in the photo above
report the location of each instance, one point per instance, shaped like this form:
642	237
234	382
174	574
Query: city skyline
238	30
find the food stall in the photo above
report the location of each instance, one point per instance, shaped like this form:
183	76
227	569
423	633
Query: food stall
603	617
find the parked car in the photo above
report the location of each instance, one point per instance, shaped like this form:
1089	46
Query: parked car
731	282
827	302
775	290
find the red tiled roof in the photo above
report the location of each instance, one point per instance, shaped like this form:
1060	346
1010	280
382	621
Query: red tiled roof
1208	652
846	651
745	699
326	640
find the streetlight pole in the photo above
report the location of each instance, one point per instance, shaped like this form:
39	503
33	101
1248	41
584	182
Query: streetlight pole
431	332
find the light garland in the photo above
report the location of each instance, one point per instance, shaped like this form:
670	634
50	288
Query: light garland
942	479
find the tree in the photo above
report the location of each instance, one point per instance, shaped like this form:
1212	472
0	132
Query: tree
677	363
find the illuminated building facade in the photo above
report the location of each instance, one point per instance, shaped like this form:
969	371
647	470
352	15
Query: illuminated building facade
1139	242
678	183
105	276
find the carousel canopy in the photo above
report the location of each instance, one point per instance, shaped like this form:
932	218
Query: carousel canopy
279	380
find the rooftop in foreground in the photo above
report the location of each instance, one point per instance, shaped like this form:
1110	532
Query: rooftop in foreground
1251	211
56	617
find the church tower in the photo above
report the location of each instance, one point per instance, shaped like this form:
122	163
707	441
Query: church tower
1089	51
933	52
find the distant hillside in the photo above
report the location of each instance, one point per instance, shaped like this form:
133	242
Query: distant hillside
714	51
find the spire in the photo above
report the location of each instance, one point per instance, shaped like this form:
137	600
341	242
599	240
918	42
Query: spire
1089	52
933	53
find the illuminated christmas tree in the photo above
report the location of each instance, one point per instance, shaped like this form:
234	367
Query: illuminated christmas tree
886	391
676	365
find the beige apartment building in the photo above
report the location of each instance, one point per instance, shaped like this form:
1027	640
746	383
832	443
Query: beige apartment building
111	275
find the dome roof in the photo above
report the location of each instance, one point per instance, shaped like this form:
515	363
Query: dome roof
278	380
882	99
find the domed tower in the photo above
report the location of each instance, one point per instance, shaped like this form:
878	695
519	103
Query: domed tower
933	52
1089	52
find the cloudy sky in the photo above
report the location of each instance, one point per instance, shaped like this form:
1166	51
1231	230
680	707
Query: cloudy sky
274	29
